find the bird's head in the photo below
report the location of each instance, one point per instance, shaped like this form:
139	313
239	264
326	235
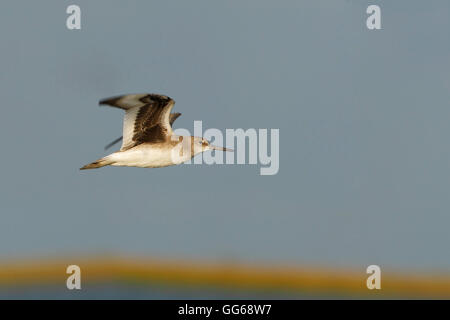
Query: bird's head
199	144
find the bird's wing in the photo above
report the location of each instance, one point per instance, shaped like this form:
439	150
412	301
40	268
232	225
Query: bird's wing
172	118
146	118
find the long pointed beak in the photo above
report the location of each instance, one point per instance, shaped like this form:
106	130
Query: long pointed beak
220	148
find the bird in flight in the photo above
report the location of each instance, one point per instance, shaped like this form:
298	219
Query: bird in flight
148	139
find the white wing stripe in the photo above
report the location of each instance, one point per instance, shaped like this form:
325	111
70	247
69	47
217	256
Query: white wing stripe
131	101
128	126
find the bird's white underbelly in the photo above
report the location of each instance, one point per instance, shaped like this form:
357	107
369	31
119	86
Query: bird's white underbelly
144	157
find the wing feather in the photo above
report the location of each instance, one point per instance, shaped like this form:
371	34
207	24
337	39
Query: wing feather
172	118
147	118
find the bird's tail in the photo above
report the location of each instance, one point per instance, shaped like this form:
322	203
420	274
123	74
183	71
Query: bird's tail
97	164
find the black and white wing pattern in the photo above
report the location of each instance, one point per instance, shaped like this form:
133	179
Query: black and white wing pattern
147	118
173	116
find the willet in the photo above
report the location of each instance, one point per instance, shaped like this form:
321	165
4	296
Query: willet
148	139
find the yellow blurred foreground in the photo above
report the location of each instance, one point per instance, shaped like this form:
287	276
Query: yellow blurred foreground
305	281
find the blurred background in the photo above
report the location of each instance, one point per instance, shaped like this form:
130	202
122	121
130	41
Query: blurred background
364	159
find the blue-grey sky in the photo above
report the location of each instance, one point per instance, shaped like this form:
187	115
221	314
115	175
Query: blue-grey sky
363	116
